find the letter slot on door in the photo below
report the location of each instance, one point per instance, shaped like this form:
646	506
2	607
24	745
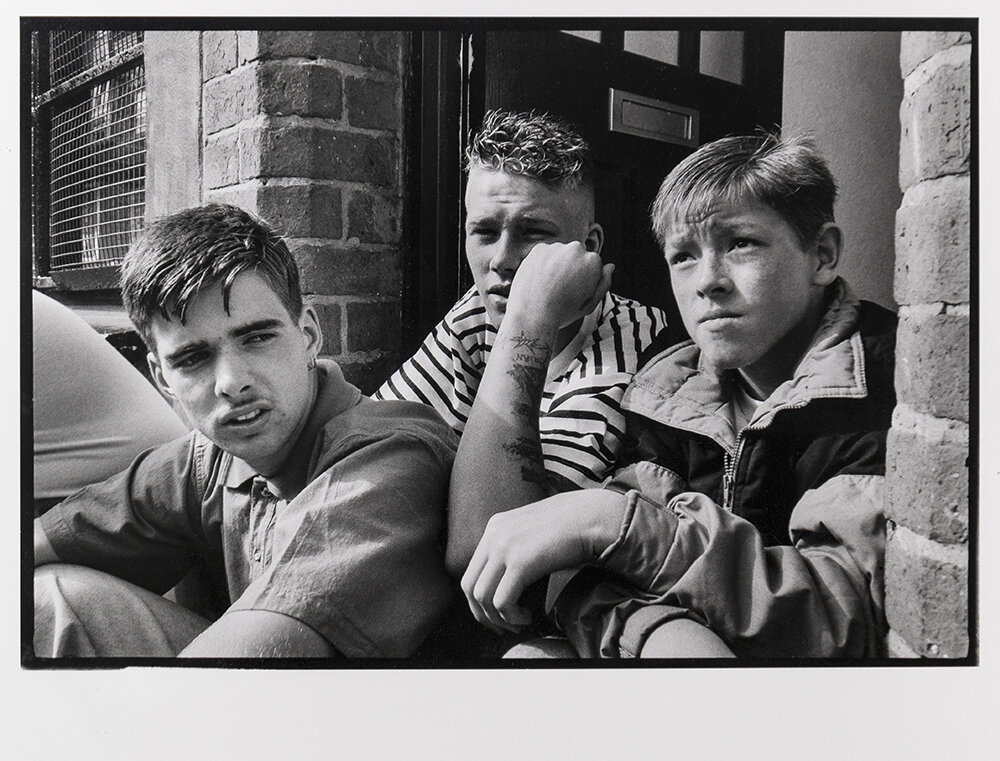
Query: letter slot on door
656	119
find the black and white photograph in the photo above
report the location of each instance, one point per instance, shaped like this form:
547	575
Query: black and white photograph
515	382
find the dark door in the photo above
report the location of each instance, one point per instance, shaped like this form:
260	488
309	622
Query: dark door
670	91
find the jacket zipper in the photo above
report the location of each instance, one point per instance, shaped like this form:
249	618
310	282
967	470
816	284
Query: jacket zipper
729	473
730	461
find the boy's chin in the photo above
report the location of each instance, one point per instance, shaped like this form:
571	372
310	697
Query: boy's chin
722	360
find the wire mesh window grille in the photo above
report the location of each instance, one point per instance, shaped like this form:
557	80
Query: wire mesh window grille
74	53
95	119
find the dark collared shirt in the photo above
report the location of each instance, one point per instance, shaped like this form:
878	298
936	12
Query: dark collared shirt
349	541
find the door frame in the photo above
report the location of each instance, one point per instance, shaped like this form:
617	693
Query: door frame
438	124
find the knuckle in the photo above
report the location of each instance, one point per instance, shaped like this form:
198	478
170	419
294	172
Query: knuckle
480	592
502	600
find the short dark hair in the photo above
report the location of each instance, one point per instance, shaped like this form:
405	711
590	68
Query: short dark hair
179	255
785	173
532	144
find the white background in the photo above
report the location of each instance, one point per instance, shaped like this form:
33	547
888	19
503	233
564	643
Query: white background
847	714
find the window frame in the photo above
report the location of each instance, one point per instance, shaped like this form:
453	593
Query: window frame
44	100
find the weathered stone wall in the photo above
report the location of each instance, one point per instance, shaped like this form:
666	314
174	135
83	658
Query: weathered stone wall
305	129
927	495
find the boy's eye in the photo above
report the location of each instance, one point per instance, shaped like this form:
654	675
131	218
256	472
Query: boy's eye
482	233
678	258
744	243
259	338
537	232
189	361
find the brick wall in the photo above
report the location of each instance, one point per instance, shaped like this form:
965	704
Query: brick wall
305	129
927	495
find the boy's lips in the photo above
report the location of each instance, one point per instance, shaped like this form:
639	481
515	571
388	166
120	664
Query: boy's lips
718	315
244	416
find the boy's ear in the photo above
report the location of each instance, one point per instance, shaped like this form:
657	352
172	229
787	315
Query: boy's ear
309	324
156	372
827	247
595	238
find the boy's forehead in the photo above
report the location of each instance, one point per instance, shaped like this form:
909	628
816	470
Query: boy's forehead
209	309
714	214
485	185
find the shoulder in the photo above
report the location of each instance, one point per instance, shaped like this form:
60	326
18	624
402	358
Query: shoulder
371	421
669	368
627	328
629	311
192	457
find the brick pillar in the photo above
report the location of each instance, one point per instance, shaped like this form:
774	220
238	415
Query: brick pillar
305	129
927	495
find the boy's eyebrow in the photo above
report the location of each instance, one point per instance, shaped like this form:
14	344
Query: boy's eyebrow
530	217
184	349
237	332
726	226
738	223
252	327
536	219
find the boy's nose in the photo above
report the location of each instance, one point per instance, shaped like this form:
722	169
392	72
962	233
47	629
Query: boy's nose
507	255
713	275
232	378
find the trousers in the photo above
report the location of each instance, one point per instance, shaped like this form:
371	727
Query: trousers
80	612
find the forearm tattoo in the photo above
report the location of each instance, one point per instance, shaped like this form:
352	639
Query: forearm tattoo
528	369
529	451
536	345
531	380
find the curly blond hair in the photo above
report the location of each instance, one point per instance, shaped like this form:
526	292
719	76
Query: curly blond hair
532	144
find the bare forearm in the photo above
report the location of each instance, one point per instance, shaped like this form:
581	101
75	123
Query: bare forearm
499	465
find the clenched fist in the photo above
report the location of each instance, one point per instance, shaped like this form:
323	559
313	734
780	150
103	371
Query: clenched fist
559	282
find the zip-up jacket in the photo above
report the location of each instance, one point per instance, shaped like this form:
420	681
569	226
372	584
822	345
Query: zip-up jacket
773	536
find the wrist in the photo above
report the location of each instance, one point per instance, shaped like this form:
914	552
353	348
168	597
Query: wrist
534	321
531	343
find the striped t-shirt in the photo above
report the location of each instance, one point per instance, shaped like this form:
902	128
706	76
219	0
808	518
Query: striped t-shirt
581	422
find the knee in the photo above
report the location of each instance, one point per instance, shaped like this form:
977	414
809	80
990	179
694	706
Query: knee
684	638
63	583
62	593
52	582
81	612
543	647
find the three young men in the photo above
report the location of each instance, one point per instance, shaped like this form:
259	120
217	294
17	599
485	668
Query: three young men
317	511
742	518
745	518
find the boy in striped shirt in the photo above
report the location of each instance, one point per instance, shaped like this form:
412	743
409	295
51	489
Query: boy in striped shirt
530	365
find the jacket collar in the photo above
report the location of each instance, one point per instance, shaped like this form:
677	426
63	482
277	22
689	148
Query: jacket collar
335	396
675	389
